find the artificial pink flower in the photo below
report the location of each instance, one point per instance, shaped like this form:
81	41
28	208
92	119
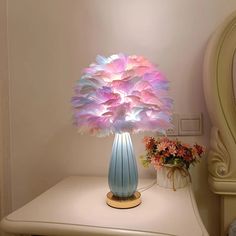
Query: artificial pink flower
156	162
150	143
163	151
181	152
199	149
172	150
162	146
194	151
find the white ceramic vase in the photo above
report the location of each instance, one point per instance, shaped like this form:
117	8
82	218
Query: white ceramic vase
172	177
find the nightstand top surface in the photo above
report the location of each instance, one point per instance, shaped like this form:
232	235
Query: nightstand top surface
77	205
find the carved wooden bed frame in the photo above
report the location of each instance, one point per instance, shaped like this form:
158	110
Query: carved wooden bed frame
220	100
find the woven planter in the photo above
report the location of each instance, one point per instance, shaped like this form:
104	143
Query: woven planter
173	177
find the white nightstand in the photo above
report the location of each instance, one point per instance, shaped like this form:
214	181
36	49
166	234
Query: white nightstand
76	206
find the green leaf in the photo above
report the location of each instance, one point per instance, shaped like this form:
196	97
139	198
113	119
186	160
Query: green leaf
145	162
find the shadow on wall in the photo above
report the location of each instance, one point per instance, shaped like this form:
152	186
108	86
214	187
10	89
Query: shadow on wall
69	153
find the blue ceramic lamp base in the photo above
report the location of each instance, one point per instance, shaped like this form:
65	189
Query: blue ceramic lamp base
123	174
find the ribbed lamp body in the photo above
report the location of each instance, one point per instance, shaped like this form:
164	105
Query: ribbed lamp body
123	173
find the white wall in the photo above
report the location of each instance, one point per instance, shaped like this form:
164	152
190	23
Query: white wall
51	41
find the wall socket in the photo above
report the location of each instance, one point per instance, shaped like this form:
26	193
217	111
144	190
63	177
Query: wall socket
186	125
175	122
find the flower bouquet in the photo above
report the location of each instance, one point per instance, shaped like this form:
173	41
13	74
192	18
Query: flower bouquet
171	159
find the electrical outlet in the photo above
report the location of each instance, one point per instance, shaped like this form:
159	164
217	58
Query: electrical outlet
190	124
175	122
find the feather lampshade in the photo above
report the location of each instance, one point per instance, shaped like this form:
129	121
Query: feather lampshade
120	95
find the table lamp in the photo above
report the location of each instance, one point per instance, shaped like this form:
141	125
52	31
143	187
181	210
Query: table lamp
120	95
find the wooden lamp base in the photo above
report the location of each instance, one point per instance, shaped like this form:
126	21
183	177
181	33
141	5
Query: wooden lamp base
123	203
